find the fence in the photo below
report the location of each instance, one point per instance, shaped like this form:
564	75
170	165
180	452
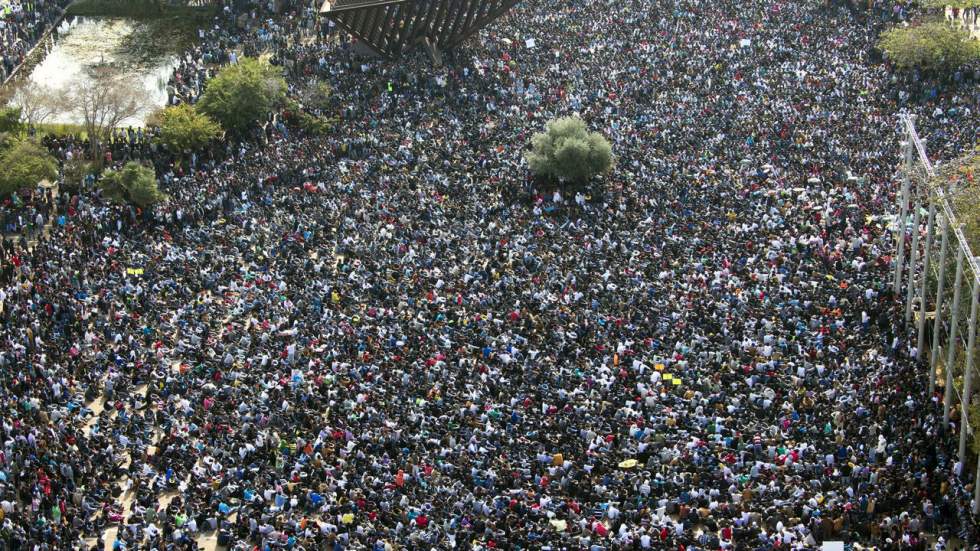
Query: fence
927	274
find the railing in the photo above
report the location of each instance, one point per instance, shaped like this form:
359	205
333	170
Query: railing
921	188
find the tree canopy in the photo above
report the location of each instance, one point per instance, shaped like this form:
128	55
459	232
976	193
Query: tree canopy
961	178
184	129
25	164
10	120
932	45
567	151
242	94
104	102
134	183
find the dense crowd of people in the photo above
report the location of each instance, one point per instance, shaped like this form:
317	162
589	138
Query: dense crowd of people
392	337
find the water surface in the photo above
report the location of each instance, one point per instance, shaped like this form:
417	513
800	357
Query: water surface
139	50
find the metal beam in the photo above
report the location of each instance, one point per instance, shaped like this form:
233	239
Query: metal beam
913	259
339	6
357	22
390	27
484	21
954	322
371	24
461	9
425	25
900	223
923	285
407	27
937	326
391	18
471	16
976	489
968	373
442	15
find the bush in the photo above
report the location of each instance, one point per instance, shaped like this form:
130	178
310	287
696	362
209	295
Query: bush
134	183
74	172
183	129
934	45
10	120
566	151
241	95
313	125
25	164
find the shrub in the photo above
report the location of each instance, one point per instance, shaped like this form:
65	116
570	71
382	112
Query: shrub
240	95
10	120
25	164
567	152
134	183
183	129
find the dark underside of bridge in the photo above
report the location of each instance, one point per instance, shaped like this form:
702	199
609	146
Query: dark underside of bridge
393	27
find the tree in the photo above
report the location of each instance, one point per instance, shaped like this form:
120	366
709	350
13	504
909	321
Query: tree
184	129
932	45
25	164
316	96
10	120
242	94
961	179
134	183
567	151
37	102
104	102
74	171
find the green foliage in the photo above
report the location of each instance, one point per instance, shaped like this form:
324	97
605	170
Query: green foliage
134	183
973	414
313	125
25	164
566	151
241	95
961	178
316	96
74	172
933	45
183	129
10	120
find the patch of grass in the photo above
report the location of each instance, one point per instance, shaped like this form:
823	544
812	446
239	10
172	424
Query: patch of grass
60	129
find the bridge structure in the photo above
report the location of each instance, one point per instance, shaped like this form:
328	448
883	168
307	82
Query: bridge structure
391	28
936	270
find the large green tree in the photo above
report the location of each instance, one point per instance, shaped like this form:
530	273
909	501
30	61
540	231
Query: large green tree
567	151
134	183
25	164
183	129
931	45
10	120
242	94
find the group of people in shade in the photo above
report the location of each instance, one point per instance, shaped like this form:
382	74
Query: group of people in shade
392	336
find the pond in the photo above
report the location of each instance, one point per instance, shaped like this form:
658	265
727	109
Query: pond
144	52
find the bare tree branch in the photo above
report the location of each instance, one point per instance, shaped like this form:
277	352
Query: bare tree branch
38	102
104	102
